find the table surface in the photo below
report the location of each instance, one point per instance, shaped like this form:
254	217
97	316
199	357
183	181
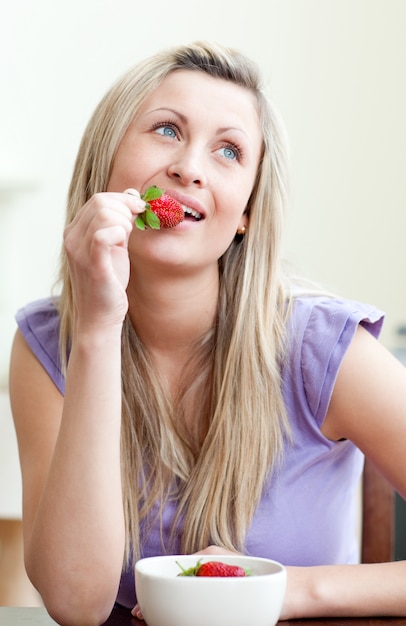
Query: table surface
15	616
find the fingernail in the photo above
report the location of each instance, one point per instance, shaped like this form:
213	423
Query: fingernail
133	192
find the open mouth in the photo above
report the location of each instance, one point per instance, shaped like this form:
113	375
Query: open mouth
191	213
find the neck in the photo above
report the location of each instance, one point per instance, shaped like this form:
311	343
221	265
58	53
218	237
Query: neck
171	313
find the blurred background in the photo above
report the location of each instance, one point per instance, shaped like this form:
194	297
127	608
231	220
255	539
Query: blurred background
335	70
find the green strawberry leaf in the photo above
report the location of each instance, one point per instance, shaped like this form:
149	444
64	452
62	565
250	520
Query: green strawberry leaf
152	193
148	217
191	571
139	222
151	219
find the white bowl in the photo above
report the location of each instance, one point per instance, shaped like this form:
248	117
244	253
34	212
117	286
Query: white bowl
167	599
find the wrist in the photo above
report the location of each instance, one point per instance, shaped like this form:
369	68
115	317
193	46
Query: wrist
311	592
96	348
94	336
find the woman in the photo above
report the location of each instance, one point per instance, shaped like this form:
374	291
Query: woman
182	394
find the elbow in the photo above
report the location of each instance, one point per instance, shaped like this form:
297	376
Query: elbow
77	605
72	596
69	615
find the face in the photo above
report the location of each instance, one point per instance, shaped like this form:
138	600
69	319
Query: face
199	139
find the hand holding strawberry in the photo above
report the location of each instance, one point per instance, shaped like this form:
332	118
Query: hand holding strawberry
214	568
160	210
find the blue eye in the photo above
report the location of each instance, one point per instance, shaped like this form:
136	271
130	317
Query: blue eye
167	131
229	153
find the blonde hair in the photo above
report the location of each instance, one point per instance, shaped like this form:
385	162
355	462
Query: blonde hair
236	371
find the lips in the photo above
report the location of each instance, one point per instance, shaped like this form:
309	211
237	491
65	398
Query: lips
190	205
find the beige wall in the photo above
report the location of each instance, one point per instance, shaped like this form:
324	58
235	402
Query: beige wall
335	68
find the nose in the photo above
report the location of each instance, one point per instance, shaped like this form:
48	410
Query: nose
188	167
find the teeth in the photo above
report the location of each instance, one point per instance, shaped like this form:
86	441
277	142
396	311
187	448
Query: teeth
191	212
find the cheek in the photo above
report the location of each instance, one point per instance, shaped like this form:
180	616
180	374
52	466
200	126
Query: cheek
119	178
226	228
126	171
237	194
232	205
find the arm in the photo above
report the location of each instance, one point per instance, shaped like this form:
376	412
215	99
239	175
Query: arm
368	406
70	447
376	589
72	510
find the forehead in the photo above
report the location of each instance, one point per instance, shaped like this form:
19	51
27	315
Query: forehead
194	92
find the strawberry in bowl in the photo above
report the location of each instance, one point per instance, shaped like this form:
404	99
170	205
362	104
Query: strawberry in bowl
190	590
214	568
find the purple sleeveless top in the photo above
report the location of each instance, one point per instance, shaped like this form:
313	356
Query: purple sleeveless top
307	514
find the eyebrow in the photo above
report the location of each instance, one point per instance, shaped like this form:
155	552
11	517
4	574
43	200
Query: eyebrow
180	115
183	118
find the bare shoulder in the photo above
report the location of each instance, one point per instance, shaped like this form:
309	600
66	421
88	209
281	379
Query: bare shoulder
37	409
368	405
32	392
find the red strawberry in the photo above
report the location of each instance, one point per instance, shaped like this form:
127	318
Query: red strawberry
214	569
168	210
160	210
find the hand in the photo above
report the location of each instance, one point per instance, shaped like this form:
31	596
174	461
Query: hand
96	244
136	612
216	550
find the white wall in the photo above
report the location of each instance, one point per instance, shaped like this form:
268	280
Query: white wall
336	70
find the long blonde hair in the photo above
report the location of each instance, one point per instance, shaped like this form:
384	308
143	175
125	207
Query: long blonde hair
236	371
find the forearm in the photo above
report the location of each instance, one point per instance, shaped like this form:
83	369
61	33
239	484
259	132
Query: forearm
346	590
75	549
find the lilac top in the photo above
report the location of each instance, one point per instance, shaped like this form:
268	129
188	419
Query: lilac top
307	514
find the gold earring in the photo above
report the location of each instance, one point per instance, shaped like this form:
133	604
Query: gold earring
241	231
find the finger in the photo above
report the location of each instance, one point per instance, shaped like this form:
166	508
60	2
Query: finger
133	192
97	208
136	612
101	211
115	235
106	226
137	205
